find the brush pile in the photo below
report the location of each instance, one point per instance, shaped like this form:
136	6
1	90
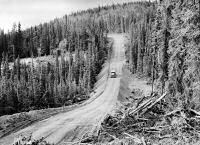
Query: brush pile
149	123
22	140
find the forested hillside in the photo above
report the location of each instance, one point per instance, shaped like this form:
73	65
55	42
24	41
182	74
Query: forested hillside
45	38
83	35
165	46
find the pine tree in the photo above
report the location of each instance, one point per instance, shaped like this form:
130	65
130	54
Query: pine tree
44	44
17	41
163	35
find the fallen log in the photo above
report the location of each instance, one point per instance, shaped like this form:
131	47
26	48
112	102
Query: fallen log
158	100
195	112
173	112
152	129
140	101
137	140
165	136
147	105
140	107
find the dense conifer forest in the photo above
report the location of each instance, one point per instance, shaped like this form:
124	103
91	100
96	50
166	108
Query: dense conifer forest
165	46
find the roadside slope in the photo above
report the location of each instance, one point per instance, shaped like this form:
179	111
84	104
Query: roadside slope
73	125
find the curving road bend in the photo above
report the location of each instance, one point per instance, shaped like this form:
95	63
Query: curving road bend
73	125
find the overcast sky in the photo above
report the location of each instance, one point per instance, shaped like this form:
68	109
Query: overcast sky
33	12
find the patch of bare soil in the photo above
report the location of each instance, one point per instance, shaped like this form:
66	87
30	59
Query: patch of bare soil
42	60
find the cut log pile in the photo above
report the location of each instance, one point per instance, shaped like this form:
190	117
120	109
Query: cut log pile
149	123
146	105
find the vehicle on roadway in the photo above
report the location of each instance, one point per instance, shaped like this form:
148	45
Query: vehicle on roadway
113	74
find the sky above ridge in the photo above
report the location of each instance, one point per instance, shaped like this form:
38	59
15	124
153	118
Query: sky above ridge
33	12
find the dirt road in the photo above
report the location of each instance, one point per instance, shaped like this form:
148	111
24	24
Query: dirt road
73	125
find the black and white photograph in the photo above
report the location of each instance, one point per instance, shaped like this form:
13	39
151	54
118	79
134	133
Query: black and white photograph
99	72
